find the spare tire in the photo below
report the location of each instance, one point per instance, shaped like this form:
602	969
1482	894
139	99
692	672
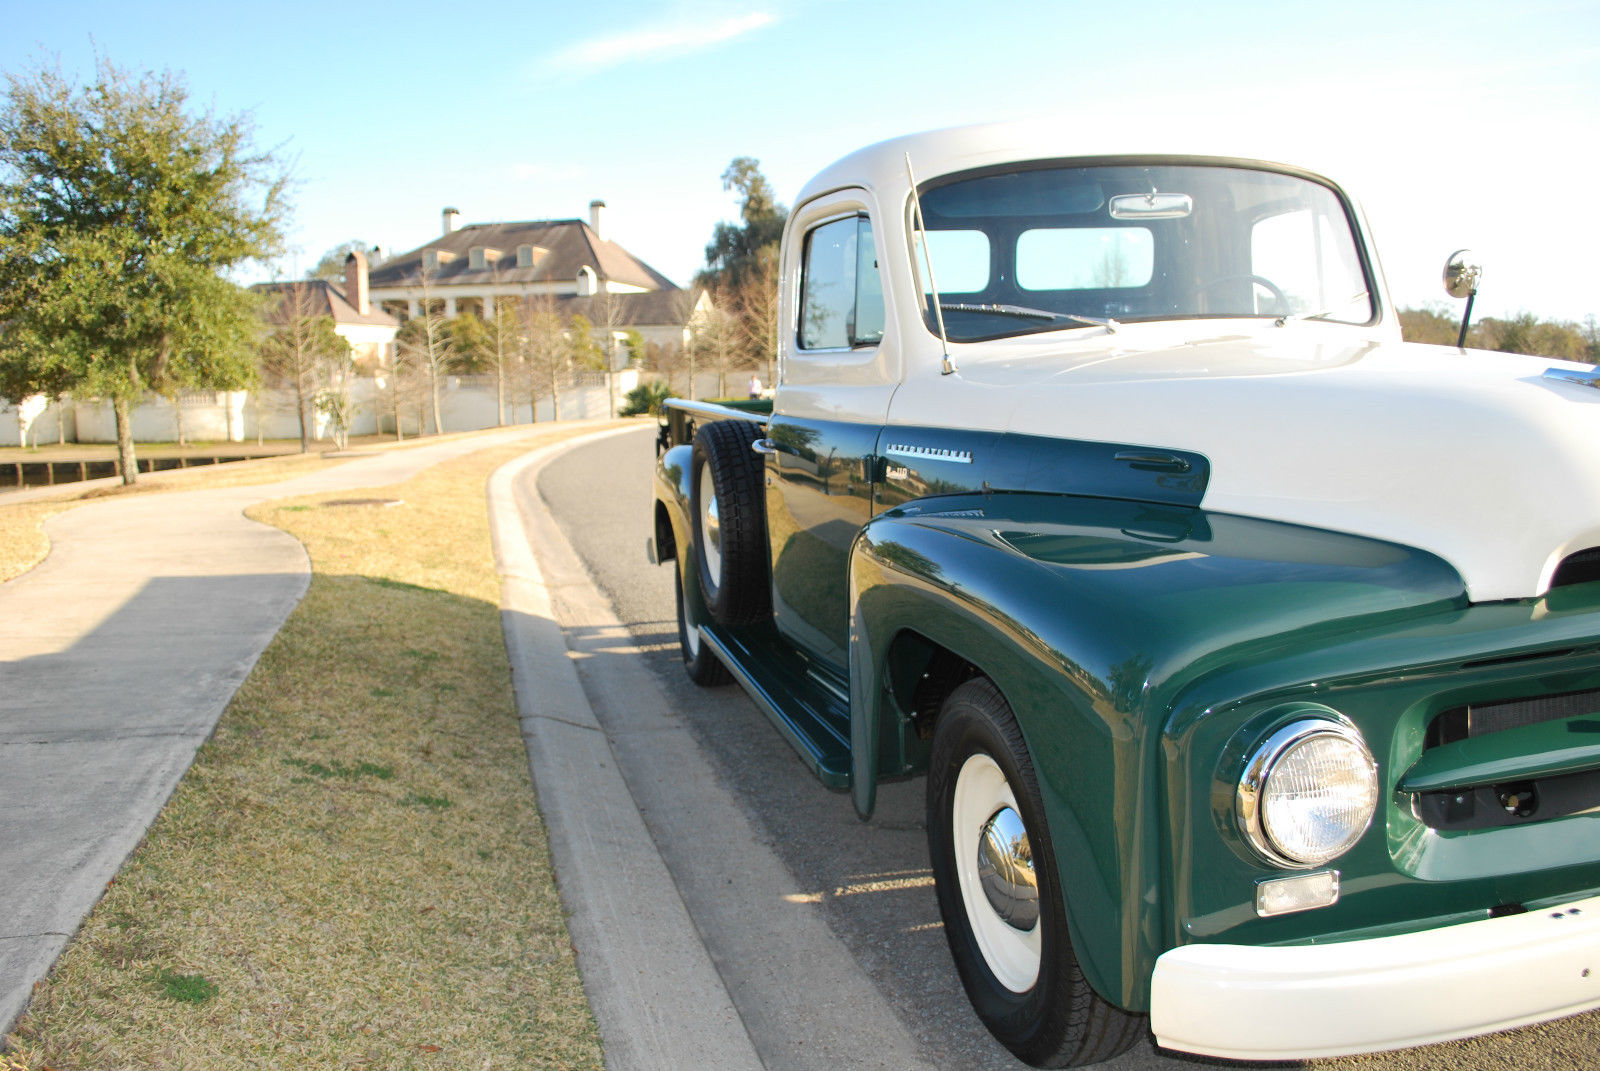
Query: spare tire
730	523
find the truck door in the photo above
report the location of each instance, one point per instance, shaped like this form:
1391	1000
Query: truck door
837	373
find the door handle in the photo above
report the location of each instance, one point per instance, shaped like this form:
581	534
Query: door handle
764	447
1153	462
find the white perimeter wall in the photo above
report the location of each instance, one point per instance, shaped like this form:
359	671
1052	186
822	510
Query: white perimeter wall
466	403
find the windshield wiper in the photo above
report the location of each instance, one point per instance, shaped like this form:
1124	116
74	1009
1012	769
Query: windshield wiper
1351	300
1026	313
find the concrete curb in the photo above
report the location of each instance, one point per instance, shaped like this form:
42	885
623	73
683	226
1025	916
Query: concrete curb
657	995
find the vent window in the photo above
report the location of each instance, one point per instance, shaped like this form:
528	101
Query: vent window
1580	568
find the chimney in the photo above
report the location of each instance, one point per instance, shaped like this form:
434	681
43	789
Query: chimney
355	282
451	217
597	210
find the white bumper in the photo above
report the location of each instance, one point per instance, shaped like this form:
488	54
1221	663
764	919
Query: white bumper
1304	1001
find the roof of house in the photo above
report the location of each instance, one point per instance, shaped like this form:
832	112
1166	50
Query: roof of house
654	308
560	248
322	298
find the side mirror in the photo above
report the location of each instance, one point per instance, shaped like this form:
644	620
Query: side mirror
1461	274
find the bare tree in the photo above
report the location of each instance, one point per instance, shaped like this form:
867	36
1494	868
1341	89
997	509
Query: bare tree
545	351
718	346
505	330
428	346
298	350
755	304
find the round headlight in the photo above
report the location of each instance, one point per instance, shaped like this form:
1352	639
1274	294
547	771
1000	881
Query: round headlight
1308	792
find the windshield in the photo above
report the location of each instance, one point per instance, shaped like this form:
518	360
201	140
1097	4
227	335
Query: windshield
1045	248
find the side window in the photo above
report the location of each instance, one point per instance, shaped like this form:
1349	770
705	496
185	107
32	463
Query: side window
1309	255
841	296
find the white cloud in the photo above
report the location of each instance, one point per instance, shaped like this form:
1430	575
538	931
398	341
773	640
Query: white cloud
655	42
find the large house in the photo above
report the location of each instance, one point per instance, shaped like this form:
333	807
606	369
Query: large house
369	329
470	267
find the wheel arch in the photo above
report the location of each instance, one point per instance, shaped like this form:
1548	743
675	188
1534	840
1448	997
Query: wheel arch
915	638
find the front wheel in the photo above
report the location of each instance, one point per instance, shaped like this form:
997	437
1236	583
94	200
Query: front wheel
703	667
995	873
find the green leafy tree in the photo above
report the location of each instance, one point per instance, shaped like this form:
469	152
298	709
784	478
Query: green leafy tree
1526	333
736	248
583	349
469	339
331	265
638	350
1434	323
120	213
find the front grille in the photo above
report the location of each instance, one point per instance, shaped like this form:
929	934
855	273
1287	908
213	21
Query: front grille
1490	806
1481	719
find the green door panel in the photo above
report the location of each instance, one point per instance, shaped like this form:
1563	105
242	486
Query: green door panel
819	494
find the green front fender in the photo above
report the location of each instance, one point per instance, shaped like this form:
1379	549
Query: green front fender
1092	616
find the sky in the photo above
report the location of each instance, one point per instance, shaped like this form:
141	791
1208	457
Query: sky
1463	124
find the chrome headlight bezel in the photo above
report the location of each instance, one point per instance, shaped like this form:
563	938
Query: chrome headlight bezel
1265	757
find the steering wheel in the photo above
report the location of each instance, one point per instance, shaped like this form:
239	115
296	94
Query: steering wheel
1278	295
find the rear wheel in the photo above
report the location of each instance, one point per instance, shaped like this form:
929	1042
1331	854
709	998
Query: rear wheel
703	667
730	523
995	873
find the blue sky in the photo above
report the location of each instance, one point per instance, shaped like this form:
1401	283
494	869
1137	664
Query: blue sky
1456	124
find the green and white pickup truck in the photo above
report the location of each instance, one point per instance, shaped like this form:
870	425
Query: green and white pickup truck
1251	654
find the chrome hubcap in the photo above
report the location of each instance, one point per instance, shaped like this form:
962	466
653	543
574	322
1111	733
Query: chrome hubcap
994	868
710	525
1005	870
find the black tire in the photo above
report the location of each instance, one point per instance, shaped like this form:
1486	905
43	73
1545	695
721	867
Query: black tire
703	667
1055	1019
730	523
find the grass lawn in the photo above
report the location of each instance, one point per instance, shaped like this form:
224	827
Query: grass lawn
353	873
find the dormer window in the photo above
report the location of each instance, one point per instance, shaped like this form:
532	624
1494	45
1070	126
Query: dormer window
587	282
524	256
434	259
482	256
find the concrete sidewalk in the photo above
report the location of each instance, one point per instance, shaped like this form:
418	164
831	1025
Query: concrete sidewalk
117	655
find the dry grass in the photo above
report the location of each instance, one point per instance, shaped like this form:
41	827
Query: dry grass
353	873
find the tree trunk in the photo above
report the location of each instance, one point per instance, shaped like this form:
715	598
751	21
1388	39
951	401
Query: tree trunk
500	394
128	464
300	411
433	386
177	418
394	398
555	399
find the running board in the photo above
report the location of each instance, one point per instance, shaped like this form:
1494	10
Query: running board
809	708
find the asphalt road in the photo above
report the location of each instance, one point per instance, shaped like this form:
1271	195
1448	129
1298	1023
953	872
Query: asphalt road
870	882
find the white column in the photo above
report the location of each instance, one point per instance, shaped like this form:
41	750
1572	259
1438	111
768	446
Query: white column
411	308
449	307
